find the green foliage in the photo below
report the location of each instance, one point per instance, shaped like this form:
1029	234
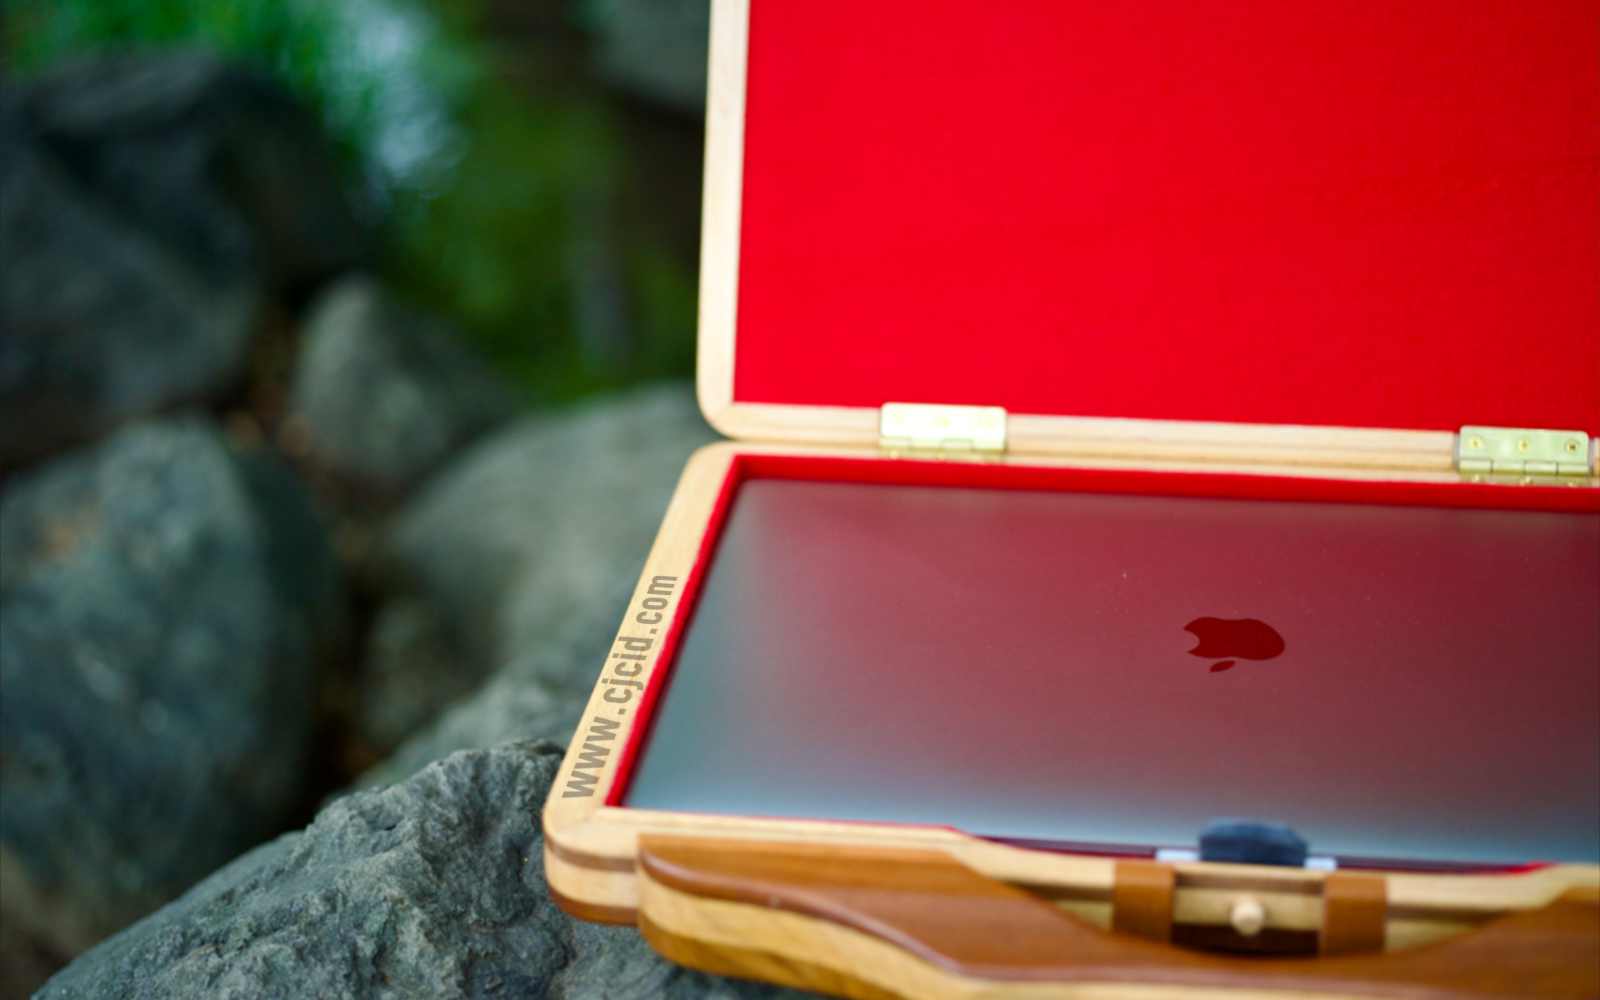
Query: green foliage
490	246
668	299
292	37
509	244
494	196
383	74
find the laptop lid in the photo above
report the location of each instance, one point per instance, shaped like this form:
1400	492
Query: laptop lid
1411	684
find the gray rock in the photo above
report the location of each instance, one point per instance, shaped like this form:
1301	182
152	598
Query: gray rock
523	535
430	888
149	205
412	671
100	321
214	158
509	707
383	394
530	546
656	49
164	603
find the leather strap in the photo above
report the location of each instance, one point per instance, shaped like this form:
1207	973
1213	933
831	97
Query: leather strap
1355	908
1141	899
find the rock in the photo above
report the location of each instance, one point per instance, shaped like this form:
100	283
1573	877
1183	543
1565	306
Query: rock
383	394
411	672
530	546
510	706
214	158
164	604
521	537
99	321
433	887
149	205
656	49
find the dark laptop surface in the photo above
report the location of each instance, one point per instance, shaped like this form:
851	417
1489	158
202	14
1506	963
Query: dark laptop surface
1400	683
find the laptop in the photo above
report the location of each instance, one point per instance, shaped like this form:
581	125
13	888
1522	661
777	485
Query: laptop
1402	686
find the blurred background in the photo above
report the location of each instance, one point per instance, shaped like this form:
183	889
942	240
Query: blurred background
530	168
344	360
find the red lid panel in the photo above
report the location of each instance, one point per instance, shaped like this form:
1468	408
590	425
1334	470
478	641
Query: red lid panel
1372	214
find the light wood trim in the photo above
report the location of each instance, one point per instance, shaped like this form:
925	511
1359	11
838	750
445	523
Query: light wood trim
797	950
1035	436
947	929
1223	442
589	893
721	207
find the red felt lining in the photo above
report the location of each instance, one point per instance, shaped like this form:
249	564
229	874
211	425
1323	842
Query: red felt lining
1373	214
1197	484
745	467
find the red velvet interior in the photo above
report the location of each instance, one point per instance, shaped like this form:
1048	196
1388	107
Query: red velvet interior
1376	213
995	476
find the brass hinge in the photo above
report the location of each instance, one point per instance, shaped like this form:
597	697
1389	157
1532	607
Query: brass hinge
1522	451
944	431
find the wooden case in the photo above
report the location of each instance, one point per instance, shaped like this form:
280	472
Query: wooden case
875	910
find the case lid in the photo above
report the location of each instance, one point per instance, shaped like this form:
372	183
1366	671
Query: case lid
1375	214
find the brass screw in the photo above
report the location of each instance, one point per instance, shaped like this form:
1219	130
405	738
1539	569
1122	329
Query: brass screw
1572	447
1522	444
1474	442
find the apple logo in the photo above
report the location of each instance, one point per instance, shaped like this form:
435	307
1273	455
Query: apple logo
1229	640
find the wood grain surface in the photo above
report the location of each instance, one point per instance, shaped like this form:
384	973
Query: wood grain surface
913	923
